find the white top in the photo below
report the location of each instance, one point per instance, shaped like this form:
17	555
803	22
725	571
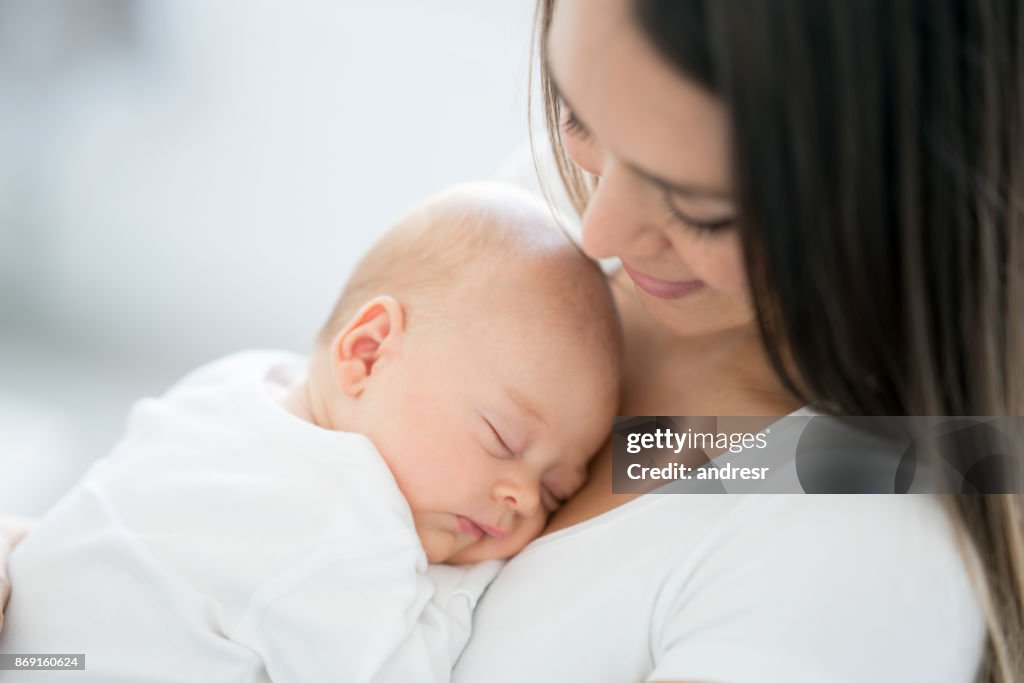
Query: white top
739	588
227	540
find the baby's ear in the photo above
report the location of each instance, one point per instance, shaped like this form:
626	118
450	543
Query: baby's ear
373	332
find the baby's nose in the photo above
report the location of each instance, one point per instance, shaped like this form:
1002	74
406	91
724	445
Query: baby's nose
523	498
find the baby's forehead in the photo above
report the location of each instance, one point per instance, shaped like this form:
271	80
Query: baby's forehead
533	297
555	305
546	350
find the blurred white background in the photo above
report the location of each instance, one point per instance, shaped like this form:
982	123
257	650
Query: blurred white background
182	179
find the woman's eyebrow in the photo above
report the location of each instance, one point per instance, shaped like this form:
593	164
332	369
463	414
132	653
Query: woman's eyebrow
683	189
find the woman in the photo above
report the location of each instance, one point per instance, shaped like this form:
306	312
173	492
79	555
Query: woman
814	201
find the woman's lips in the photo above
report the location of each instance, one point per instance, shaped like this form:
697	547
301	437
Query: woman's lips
471	528
663	289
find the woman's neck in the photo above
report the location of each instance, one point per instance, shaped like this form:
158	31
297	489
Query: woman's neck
725	373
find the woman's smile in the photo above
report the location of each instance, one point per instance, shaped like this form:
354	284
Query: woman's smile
663	289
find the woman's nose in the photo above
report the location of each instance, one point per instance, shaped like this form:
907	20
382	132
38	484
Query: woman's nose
618	219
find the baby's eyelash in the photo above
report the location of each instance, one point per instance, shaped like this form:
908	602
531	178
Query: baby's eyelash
555	501
506	451
701	227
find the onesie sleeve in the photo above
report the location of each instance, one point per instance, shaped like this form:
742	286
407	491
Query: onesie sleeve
365	616
456	593
870	589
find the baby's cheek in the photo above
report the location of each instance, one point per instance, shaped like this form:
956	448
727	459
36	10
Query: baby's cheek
438	545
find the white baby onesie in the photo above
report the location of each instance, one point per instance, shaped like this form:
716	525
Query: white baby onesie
225	539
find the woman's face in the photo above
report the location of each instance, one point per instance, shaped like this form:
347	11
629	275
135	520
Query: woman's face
660	145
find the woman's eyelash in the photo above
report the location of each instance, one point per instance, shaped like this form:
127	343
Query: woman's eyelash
702	227
572	126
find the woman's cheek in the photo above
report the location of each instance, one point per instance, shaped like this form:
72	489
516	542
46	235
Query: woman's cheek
734	268
583	153
718	261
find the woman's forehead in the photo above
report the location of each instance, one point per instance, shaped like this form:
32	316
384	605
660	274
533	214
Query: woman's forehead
634	103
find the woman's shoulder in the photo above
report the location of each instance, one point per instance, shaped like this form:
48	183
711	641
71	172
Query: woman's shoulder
779	528
881	520
761	588
865	539
850	587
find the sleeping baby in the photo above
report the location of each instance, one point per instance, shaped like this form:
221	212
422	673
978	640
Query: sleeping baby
272	517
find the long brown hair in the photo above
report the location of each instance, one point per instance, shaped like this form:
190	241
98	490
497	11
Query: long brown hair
878	149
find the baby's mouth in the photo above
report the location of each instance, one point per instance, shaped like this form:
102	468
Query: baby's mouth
469	527
477	530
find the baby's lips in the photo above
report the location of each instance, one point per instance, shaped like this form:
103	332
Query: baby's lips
493	531
469	527
477	529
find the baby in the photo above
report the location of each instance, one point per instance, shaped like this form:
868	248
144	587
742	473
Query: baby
272	520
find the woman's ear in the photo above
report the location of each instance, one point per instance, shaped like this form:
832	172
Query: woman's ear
372	333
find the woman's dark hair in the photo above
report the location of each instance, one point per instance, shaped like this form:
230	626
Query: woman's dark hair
878	148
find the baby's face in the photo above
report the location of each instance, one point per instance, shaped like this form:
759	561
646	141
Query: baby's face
488	424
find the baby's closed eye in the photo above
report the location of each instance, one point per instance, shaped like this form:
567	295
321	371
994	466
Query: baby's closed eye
555	491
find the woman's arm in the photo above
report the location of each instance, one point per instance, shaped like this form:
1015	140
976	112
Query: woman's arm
12	530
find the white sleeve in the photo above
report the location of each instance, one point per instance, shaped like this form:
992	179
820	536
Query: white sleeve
456	592
835	596
365	617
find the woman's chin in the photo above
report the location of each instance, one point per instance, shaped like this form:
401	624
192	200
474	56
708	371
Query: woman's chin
702	313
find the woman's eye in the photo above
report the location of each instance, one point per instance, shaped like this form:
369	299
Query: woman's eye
572	126
708	226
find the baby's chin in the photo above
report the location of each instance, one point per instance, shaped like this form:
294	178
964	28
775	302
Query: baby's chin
442	546
485	549
439	545
488	548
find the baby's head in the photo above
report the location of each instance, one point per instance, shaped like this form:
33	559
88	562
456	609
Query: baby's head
479	351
